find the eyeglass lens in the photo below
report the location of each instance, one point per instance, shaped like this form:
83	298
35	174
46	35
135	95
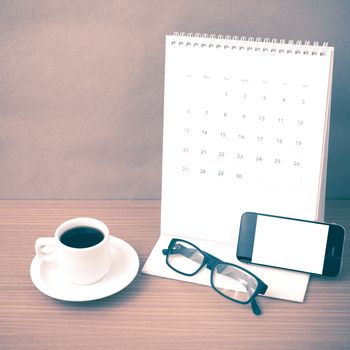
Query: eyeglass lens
185	258
227	279
234	282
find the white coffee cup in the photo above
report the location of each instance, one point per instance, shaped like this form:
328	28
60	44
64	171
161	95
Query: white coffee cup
84	265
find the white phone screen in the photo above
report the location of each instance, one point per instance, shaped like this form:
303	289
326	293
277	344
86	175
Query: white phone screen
291	244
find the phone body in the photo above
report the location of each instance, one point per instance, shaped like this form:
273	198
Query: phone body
293	244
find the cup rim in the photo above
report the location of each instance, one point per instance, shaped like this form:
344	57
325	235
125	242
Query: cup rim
83	221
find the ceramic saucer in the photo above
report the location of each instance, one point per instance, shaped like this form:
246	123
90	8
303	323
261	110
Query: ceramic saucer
124	267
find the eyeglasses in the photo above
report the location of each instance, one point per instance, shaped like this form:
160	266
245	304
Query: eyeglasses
231	281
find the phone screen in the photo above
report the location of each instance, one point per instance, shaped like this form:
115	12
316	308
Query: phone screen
290	244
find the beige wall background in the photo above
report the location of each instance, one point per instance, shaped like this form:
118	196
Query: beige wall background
81	88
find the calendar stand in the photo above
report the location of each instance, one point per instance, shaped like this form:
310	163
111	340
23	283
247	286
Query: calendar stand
246	127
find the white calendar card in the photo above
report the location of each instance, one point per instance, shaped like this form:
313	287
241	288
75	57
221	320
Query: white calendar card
246	126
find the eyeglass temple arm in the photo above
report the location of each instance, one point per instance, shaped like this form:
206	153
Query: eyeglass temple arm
186	252
165	251
255	307
180	249
190	253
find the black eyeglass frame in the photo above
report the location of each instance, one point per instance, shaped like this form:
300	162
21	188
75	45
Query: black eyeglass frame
211	262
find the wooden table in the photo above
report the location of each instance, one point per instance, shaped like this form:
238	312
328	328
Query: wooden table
153	312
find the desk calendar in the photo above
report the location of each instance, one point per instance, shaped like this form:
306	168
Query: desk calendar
246	126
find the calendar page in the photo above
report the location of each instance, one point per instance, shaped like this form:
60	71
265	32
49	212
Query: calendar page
245	129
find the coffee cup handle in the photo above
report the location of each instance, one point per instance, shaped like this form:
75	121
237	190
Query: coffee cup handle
45	248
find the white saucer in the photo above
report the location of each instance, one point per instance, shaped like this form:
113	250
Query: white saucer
125	265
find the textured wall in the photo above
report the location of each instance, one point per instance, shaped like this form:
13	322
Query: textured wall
81	88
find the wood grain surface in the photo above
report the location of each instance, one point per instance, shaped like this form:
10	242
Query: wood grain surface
152	312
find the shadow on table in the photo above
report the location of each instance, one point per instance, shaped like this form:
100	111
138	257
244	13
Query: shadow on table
123	297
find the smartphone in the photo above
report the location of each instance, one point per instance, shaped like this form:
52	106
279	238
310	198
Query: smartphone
293	244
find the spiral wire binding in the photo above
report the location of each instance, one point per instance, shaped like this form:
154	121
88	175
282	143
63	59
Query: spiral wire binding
250	44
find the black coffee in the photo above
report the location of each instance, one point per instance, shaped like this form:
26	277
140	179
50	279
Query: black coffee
81	237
